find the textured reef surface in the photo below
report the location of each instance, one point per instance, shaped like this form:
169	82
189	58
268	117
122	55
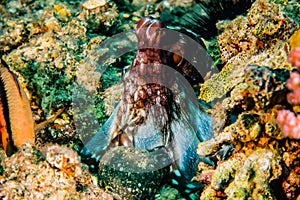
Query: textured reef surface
252	93
55	172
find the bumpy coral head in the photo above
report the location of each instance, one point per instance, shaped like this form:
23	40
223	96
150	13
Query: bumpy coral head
149	32
294	56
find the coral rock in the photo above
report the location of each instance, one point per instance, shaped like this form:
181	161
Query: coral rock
59	174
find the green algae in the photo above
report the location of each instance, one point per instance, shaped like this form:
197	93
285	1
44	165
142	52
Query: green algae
213	49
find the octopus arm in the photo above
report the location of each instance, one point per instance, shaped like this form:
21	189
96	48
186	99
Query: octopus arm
204	124
99	143
191	125
185	143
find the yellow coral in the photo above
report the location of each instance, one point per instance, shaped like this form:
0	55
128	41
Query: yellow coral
62	10
295	39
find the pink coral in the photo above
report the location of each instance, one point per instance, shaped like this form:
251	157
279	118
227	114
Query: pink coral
294	84
286	119
294	57
290	123
294	81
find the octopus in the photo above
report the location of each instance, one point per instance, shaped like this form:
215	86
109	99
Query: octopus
158	111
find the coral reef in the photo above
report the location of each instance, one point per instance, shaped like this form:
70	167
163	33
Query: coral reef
241	47
251	95
290	123
245	177
51	44
100	16
291	8
55	174
46	47
257	139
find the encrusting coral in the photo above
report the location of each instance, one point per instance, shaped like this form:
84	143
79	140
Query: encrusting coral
253	157
53	173
240	46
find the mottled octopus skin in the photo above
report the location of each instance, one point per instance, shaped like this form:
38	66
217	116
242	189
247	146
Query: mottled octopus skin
16	122
154	112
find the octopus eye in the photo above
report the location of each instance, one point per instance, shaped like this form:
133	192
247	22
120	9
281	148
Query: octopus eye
177	58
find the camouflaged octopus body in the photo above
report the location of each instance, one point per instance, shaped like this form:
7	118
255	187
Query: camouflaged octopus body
156	110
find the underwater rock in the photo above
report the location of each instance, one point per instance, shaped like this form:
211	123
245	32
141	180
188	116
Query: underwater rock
100	16
92	4
268	19
249	117
236	37
252	179
245	176
55	174
133	173
233	72
291	159
240	48
219	84
168	193
264	23
255	87
261	88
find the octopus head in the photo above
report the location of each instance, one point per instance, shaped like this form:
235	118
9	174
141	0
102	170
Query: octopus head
149	32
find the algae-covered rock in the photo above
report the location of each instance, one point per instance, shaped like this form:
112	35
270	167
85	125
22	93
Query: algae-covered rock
252	179
257	88
133	173
253	40
255	170
267	19
55	174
